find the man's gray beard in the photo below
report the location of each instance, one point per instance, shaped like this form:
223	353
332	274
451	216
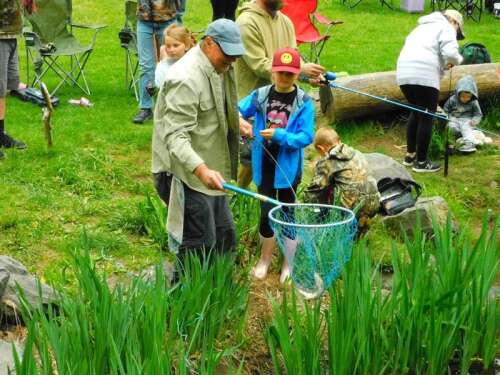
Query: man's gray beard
274	5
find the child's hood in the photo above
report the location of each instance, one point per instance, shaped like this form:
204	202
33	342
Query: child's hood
341	152
468	84
435	17
262	95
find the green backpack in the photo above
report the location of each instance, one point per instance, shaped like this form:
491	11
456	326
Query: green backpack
474	53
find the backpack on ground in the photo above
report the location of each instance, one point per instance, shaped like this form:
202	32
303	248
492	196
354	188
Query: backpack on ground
475	53
34	95
396	194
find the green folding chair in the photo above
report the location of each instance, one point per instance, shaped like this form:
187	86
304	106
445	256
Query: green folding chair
49	40
128	41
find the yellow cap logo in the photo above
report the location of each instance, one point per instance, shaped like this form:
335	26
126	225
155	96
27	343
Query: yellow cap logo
286	58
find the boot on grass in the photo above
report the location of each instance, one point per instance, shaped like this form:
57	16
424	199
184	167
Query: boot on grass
266	256
286	268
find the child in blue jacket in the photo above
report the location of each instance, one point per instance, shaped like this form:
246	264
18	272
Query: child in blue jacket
283	126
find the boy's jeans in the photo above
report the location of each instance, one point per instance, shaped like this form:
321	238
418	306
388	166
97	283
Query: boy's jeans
462	126
146	52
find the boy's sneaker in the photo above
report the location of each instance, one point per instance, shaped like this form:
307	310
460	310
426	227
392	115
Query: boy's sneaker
467	148
409	160
9	142
425	166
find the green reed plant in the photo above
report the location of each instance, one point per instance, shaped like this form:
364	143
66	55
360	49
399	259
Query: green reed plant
295	336
436	311
356	331
153	215
140	327
246	215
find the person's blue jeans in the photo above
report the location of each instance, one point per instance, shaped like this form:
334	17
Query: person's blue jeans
181	10
146	52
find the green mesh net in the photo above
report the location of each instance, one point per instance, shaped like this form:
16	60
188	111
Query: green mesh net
317	242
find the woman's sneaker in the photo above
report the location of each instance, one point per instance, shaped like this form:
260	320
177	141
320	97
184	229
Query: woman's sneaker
425	166
409	160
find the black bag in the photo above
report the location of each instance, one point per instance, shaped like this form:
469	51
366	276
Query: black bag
396	195
30	94
474	53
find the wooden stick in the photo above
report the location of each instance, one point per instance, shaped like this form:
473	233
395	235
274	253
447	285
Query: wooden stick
47	114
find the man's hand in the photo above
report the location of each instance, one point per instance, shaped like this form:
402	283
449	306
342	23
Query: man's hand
210	178
318	81
313	71
267	134
245	128
29	5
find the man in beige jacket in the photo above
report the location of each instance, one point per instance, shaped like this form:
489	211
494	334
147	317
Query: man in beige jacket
196	139
264	29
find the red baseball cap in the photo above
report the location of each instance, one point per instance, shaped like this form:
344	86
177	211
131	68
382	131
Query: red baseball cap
286	60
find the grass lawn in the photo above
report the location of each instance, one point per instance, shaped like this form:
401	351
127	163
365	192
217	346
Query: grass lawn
91	188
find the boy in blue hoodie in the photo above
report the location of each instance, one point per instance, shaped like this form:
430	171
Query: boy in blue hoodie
283	127
465	114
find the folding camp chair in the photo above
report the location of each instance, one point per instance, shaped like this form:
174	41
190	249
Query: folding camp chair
49	38
471	8
304	17
128	41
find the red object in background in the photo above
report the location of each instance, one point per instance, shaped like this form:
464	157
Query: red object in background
30	6
303	15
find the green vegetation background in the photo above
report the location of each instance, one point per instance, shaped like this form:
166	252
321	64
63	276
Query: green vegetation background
97	174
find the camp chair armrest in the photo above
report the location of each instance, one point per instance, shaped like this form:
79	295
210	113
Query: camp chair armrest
95	28
92	27
32	39
325	20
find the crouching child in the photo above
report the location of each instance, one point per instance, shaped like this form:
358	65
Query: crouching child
340	177
465	114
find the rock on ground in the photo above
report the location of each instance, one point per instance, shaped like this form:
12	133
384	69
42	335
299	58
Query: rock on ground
426	207
7	365
14	275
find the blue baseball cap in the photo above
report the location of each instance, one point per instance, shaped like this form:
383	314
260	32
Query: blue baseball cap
227	35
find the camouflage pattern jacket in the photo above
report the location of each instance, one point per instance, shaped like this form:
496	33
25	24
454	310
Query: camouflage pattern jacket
341	176
157	10
11	22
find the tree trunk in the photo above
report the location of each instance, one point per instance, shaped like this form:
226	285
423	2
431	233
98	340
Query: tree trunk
349	105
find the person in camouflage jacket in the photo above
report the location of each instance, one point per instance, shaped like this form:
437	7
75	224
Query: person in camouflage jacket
341	177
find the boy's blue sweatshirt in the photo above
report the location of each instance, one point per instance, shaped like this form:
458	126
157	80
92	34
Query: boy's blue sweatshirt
298	134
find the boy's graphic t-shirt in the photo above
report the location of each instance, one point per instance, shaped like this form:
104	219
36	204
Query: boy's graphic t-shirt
279	107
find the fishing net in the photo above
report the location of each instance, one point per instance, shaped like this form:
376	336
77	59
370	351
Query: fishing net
317	241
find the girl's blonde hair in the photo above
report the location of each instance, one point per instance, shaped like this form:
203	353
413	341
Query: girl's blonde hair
180	33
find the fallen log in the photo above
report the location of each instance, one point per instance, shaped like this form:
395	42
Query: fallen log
348	105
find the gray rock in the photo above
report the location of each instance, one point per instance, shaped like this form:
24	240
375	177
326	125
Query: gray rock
12	266
426	208
7	365
13	275
150	272
4	281
380	166
168	270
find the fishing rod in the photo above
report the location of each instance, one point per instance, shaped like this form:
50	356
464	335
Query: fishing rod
330	76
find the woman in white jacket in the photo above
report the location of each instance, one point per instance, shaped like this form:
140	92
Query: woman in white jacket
429	49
